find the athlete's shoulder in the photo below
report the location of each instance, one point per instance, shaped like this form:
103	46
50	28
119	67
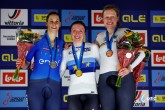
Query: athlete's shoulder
101	34
90	44
40	41
121	31
100	39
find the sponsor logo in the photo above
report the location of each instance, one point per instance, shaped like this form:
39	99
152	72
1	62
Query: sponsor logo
65	98
13	98
159	98
143	80
41	32
68	38
142	98
69	16
8	37
134	18
157	18
6	78
8	58
42	62
158	38
15	14
97	19
66	79
72	17
131	18
158	57
38	16
14	17
158	78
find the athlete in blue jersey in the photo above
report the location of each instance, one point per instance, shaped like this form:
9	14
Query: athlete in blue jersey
81	59
44	89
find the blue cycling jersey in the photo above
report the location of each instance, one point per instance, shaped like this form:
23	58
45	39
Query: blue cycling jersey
42	59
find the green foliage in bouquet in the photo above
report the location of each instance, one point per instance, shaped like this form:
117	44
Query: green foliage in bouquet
130	41
147	55
27	36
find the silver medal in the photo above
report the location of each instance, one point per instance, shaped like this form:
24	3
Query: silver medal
53	64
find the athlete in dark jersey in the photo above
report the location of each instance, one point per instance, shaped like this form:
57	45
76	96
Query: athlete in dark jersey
44	89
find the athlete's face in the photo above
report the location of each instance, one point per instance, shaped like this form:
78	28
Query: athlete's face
110	18
78	33
53	23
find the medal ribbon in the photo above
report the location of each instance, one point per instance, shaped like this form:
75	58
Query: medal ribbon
109	42
52	49
78	61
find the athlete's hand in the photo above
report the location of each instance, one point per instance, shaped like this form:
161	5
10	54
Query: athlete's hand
67	45
124	71
32	66
20	62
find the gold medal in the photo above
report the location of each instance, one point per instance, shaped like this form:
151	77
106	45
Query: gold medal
78	73
109	53
53	64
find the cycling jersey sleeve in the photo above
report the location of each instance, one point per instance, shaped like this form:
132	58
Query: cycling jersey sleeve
31	53
63	63
138	60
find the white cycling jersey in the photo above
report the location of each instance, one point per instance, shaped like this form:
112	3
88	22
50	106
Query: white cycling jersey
111	63
86	84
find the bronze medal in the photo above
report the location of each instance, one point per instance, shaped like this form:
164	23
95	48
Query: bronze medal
78	73
109	53
53	64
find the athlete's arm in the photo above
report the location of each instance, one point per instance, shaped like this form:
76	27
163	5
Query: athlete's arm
124	71
96	53
138	59
24	64
29	57
63	63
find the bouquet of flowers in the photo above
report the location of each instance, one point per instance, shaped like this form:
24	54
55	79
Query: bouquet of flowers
127	48
25	41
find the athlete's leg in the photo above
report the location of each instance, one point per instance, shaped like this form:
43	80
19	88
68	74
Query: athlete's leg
34	95
53	95
74	103
106	93
91	102
126	93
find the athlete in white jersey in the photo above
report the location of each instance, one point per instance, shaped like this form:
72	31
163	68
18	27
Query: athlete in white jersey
81	59
112	98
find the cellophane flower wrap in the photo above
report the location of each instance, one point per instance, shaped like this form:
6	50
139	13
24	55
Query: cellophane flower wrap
127	48
25	41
